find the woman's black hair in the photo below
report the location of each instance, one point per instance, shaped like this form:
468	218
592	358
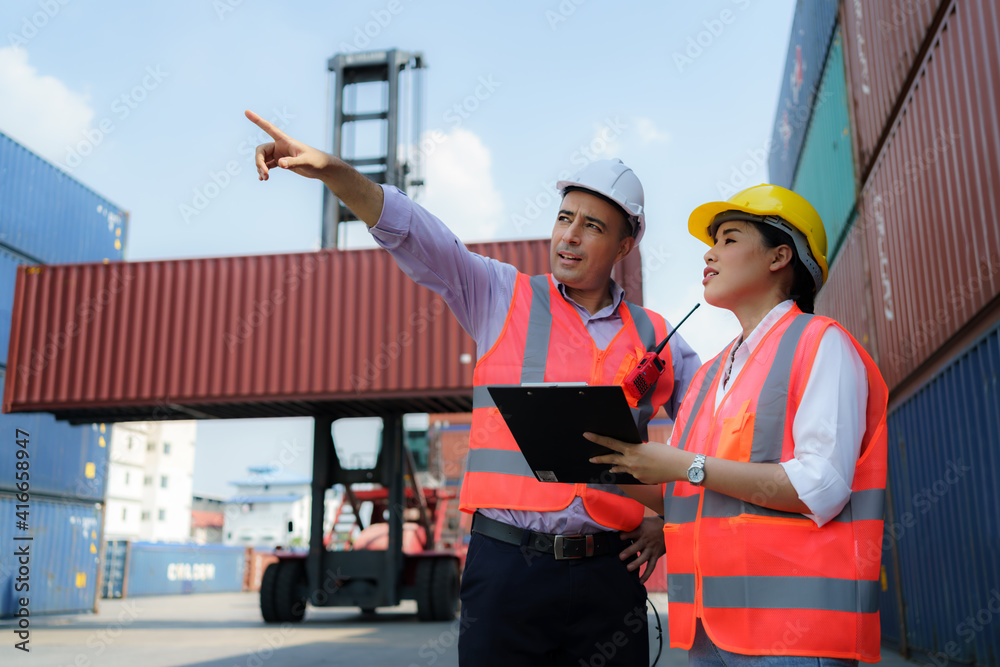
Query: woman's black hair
803	287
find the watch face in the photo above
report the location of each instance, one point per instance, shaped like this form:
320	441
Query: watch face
696	475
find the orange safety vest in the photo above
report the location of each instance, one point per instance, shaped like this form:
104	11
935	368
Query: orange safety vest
766	582
544	340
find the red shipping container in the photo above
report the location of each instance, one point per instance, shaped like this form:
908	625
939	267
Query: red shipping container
338	332
882	42
928	210
846	296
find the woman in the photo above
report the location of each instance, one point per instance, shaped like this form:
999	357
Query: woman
774	481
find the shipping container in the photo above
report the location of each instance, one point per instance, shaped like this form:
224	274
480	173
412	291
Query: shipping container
63	560
65	461
174	569
343	332
9	261
115	566
883	42
846	296
943	467
812	29
929	208
257	562
825	174
49	216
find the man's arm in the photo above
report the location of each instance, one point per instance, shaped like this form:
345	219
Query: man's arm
357	192
477	289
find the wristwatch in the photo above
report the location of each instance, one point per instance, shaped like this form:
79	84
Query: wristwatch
696	473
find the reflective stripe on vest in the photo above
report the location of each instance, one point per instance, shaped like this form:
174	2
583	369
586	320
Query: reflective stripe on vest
821	593
538	327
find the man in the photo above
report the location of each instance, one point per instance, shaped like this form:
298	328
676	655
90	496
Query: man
535	590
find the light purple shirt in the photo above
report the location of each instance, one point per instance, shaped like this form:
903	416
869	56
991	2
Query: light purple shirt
479	291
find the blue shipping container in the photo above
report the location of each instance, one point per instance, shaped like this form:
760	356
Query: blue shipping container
65	461
825	175
115	564
812	29
50	216
943	469
172	569
61	573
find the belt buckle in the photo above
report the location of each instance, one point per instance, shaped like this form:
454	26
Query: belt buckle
559	546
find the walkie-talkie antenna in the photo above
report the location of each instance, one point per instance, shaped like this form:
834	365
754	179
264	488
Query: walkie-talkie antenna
659	348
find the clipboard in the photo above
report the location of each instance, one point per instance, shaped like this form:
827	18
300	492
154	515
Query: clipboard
548	422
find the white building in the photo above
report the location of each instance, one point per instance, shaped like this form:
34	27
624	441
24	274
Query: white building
150	481
272	508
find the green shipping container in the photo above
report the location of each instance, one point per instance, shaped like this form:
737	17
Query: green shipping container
825	173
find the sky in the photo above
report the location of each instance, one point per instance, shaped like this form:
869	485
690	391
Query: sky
143	103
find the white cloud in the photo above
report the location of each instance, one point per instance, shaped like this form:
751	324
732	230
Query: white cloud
460	187
648	132
39	111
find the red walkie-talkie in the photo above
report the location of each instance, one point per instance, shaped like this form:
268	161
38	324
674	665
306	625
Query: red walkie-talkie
642	378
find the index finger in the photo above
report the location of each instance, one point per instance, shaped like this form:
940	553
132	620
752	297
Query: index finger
605	441
265	125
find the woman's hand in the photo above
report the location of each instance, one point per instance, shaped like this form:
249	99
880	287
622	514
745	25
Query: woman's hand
648	462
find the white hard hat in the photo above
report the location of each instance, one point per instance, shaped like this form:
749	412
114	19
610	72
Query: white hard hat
618	183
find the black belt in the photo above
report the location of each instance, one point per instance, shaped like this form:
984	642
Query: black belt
563	547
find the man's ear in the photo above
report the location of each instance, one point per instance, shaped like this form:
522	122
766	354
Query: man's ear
625	247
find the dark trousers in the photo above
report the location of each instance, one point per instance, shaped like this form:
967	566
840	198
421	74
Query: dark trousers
525	608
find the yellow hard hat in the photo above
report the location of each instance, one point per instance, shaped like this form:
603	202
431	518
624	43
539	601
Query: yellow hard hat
773	205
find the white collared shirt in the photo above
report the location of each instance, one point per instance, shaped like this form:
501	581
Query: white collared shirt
830	422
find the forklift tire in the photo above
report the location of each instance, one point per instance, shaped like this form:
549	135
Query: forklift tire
280	600
437	589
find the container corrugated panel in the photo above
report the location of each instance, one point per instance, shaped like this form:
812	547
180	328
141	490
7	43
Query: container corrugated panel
943	467
174	569
883	41
52	217
65	461
845	296
929	209
825	175
812	29
115	563
273	335
9	262
63	556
